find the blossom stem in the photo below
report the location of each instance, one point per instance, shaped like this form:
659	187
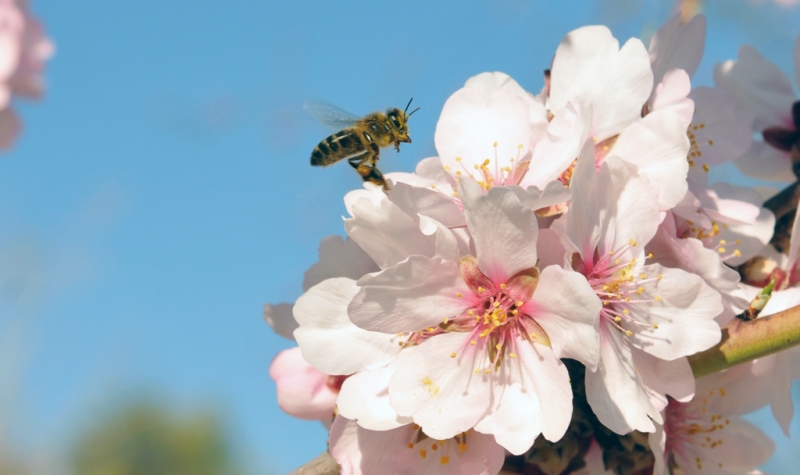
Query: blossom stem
744	341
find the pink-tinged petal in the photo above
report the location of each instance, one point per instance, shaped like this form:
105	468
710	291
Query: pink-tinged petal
329	340
364	398
386	233
503	230
692	256
658	146
443	394
565	305
671	95
280	318
447	246
560	146
677	45
303	391
432	169
678	309
487	83
589	66
338	258
364	452
554	193
550	249
744	448
416	294
766	162
760	85
720	130
781	403
474	127
616	392
594	462
532	395
658	441
429	202
748	237
673	378
615	209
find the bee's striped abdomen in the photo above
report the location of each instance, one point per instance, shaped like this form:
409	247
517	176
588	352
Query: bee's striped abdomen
340	145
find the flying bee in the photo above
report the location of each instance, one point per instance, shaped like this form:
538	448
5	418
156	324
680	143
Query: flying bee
361	138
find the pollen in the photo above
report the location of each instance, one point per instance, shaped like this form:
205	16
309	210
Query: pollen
434	447
626	311
498	346
458	295
433	185
453	354
533	335
471	312
642	276
410	445
705	167
628	333
520	146
462	447
617	319
721	250
458	159
444	460
658	299
655	326
496	304
722	241
431	329
473	342
737	253
503	286
445	320
520	303
640	290
423	453
447	168
481	289
650	255
632	242
660	276
512	355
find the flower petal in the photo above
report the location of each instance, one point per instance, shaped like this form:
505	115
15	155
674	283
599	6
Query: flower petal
765	162
338	258
417	293
329	340
565	305
677	45
364	398
280	318
303	391
589	66
503	230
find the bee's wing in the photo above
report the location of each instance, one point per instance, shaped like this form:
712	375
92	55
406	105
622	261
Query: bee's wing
329	115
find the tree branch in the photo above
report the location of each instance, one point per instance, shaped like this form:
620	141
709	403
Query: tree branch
323	464
745	341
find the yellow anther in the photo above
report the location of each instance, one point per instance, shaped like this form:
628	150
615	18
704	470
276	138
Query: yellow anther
627	299
737	253
471	312
655	325
658	299
632	242
399	334
434	446
487	371
477	371
447	168
628	333
533	335
605	287
705	167
452	355
520	303
610	253
495	144
433	185
520	146
444	460
617	319
496	304
502	286
481	289
626	311
660	276
498	346
410	445
458	159
446	320
462	447
640	290
650	255
423	453
616	261
722	241
721	250
431	329
458	295
473	342
513	355
514	312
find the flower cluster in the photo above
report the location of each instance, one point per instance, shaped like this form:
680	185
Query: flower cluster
530	296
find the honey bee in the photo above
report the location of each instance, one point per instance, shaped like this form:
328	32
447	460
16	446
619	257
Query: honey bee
361	138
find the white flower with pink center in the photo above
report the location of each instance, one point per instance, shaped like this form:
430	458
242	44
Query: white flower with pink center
706	435
483	334
651	316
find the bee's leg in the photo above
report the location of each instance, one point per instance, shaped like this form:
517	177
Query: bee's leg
397	145
375	176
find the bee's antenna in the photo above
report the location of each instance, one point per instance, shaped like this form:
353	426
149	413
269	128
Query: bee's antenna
415	110
409	103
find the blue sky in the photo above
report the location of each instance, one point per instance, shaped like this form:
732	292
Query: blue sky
161	192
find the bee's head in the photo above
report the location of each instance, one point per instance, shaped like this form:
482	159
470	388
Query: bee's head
399	120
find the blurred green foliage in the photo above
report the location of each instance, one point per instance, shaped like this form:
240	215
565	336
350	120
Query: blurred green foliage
146	439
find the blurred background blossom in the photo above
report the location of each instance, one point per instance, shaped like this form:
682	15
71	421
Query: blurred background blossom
161	193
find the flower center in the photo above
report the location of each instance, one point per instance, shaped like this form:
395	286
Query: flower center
443	449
